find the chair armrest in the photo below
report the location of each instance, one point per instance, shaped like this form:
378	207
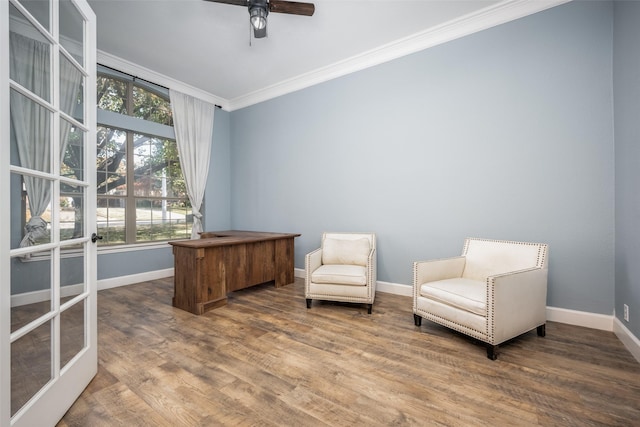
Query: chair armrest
372	269
313	260
517	301
437	269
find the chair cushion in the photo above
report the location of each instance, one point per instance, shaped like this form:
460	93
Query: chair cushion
465	294
345	251
340	275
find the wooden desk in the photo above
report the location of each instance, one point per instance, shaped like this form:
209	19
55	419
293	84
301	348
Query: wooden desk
219	262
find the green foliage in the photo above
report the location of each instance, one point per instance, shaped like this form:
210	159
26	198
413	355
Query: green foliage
129	98
149	106
112	94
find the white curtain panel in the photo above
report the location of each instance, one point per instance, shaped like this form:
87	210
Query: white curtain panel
32	122
70	89
32	127
193	125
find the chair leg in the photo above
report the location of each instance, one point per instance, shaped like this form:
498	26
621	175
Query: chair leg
417	320
542	330
308	303
369	308
492	351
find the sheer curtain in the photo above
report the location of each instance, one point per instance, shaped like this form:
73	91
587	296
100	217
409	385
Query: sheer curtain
70	86
32	122
193	124
32	127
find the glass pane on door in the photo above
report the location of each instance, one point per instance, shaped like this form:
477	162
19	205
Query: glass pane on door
72	30
30	365
30	56
71	211
39	9
72	336
72	142
30	211
30	288
72	274
17	208
71	89
30	133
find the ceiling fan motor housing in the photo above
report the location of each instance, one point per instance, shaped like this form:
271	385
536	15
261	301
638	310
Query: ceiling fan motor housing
258	12
259	9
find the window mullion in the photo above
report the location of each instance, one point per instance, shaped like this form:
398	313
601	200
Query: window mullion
130	211
130	216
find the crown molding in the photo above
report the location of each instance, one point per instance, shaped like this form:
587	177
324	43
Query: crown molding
483	19
144	73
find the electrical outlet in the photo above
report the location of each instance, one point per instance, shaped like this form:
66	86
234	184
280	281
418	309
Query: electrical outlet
626	312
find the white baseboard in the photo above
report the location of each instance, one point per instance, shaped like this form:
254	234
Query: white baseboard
628	339
603	322
394	288
134	278
44	295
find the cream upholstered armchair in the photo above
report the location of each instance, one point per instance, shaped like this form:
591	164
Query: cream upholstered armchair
495	291
342	269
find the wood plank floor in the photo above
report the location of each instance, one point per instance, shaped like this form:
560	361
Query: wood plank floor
266	360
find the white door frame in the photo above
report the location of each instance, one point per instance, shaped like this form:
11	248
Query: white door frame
51	402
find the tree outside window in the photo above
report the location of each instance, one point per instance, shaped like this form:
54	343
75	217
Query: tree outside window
142	194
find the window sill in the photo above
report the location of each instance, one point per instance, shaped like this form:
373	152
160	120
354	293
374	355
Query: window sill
102	250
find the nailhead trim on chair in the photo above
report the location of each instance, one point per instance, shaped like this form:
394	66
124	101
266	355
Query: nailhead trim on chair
486	336
456	326
490	313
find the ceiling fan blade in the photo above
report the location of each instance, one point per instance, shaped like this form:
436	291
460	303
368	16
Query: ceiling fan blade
233	2
291	7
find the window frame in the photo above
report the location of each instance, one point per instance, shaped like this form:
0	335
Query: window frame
132	125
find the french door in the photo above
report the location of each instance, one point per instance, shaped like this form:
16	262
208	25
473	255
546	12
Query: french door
48	328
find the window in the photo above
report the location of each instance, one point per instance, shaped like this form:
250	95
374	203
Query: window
142	194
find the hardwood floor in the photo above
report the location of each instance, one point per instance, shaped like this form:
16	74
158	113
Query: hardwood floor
264	359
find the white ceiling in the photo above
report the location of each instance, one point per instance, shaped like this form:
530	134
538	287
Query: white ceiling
208	45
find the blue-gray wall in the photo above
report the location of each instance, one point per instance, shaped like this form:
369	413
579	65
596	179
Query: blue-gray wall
217	205
505	134
626	86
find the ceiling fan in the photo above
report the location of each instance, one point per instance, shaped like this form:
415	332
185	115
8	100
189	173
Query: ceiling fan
259	9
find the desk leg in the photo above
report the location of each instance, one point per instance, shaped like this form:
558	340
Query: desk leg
198	279
284	259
